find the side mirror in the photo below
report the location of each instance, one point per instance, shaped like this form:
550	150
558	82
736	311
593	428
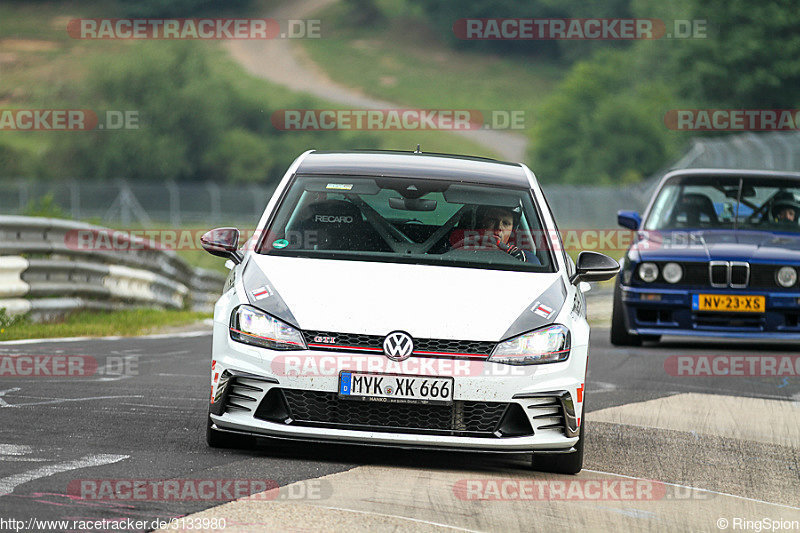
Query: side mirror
629	219
593	266
222	242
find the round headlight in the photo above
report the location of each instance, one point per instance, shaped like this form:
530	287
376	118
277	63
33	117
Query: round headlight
786	276
672	272
648	272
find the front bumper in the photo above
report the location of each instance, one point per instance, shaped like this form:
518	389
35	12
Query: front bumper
246	381
673	314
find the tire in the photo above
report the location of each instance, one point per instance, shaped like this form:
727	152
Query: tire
619	331
223	439
562	463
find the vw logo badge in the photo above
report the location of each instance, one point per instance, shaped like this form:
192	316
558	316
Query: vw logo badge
398	346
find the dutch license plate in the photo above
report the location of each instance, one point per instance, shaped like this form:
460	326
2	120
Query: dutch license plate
728	302
391	388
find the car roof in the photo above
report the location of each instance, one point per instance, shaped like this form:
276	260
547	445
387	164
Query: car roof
722	172
415	165
729	172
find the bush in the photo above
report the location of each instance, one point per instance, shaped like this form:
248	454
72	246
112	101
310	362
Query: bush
176	8
44	207
194	123
599	125
749	59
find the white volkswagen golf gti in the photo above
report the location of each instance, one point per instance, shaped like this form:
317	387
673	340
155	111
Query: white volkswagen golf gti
404	299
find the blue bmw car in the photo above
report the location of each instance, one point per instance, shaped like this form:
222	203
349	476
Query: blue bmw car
716	254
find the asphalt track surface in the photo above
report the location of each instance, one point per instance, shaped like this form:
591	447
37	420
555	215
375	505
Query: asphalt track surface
724	447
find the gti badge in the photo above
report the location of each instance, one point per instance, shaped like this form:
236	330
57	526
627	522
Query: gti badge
398	346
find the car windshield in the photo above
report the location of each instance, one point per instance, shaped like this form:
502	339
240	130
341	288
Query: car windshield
727	203
401	220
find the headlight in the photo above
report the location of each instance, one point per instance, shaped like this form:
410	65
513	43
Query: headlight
648	272
786	276
672	272
251	326
547	345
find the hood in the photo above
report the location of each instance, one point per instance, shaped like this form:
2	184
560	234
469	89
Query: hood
425	301
723	245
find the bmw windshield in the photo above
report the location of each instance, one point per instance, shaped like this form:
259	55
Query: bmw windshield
402	220
713	202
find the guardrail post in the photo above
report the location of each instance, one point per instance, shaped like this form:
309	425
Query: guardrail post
23	196
174	204
74	200
769	161
216	208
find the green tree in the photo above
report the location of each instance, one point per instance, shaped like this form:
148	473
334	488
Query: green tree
194	123
176	8
750	58
601	125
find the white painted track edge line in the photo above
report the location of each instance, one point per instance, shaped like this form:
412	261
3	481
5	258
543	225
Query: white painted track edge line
184	334
8	484
331	508
747	498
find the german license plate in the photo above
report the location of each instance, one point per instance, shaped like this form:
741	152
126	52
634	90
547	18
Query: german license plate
728	303
392	388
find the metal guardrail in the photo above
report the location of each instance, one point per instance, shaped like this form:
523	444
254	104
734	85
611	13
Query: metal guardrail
776	150
44	272
175	205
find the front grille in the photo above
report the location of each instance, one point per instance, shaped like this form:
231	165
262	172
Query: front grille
715	273
718	272
326	409
693	273
725	321
342	340
358	342
453	346
740	274
764	277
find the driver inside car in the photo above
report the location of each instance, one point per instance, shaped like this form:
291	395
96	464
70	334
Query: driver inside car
787	214
785	208
500	223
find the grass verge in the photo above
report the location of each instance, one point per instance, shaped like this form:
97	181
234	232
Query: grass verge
411	65
100	324
42	67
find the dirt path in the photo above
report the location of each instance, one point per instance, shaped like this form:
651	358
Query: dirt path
282	62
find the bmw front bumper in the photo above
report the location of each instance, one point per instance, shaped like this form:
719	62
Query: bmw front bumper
672	314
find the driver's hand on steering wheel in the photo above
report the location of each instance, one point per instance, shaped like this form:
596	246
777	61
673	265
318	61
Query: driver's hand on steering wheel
510	249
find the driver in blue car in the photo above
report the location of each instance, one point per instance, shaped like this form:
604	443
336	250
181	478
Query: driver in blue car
785	208
501	223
